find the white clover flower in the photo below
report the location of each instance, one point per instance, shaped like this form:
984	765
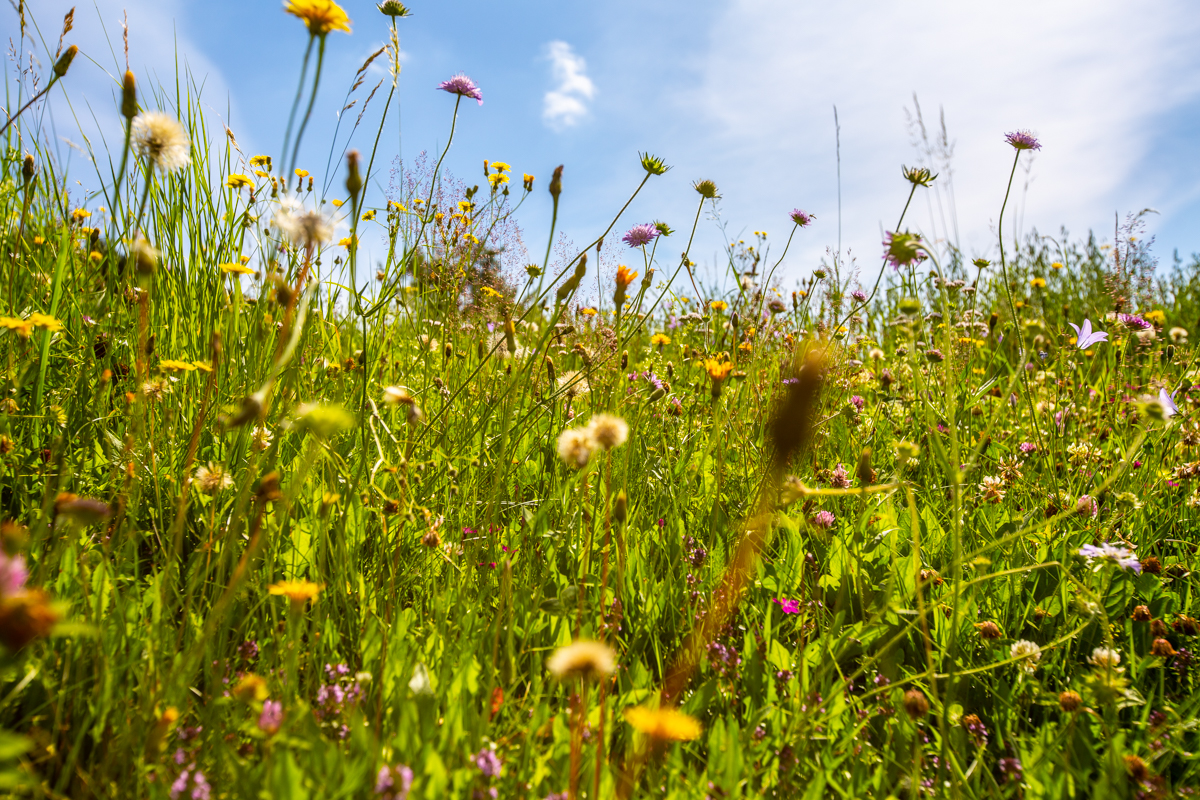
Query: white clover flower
1029	653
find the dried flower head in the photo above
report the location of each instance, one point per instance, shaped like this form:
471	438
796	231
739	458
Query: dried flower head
320	16
582	659
1023	140
916	704
160	138
1070	701
462	86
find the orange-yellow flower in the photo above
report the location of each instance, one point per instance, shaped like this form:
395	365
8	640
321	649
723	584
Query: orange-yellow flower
717	369
321	16
718	305
239	181
660	339
624	276
298	592
663	724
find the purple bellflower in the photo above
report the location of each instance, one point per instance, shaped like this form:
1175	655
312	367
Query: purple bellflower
1085	337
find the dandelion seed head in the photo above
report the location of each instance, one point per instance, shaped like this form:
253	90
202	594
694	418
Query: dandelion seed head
160	138
582	659
608	431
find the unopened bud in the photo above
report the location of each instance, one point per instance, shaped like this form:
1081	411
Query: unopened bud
129	96
353	178
28	169
620	508
556	182
64	61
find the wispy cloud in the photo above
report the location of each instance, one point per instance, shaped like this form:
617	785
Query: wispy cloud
566	104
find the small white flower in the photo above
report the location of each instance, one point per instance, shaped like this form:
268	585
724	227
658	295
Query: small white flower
1105	658
1029	653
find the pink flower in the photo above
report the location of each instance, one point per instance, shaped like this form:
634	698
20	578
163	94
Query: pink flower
788	606
463	86
271	718
1023	140
824	519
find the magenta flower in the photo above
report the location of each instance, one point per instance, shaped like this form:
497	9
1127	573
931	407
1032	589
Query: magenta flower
801	218
903	248
393	783
13	574
463	86
824	519
859	296
1085	337
1134	322
788	606
1023	140
272	717
488	763
1027	447
640	235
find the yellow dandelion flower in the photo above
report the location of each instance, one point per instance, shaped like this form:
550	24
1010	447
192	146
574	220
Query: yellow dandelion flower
203	366
239	181
718	305
1038	283
262	174
298	592
301	173
321	16
663	724
717	369
80	214
95	257
236	269
261	161
347	241
22	327
251	688
1056	265
500	166
660	339
337	203
171	365
496	179
39	240
368	215
43	321
588	312
802	293
400	207
1156	316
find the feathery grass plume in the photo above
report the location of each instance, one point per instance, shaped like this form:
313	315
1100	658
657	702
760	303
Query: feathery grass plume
584	659
159	138
319	16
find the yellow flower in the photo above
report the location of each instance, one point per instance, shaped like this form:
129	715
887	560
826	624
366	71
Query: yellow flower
624	276
261	161
95	257
368	215
717	369
347	241
399	207
588	312
22	327
663	724
660	339
170	365
298	592
80	214
1156	316
490	292
301	173
236	269
718	305
496	179
802	293
203	366
238	181
337	203
1038	283
500	166
39	240
251	688
465	206
262	174
43	321
321	16
1056	265
528	182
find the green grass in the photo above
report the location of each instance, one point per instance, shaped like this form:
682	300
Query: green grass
456	551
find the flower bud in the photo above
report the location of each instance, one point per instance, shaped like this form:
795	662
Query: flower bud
353	179
129	96
556	182
620	508
28	169
64	61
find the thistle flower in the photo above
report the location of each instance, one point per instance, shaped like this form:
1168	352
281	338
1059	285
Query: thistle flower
462	86
663	724
1085	337
1029	653
320	16
608	431
640	235
582	659
903	248
212	478
160	138
575	446
1023	140
802	218
310	228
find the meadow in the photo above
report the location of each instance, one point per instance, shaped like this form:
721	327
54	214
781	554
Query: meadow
282	521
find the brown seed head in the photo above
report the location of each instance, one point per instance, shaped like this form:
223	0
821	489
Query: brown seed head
915	703
1141	614
1069	701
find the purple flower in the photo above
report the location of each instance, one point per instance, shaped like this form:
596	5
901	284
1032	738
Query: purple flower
1011	769
1123	557
801	218
824	519
857	402
248	649
640	235
488	763
1134	322
13	574
1168	404
1087	506
859	296
903	248
393	783
1023	140
200	790
271	718
840	477
788	606
463	86
1085	337
1027	447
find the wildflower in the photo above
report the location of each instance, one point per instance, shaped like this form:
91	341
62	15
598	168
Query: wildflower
1156	316
608	431
1085	337
653	164
302	226
24	616
1087	505
1162	648
393	783
394	8
192	782
840	477
1103	554
81	510
1070	701
238	181
624	277
1134	322
988	630
706	189
902	249
527	182
462	86
640	235
1105	658
399	396
1011	769
212	478
251	688
918	176
1168	403
823	519
575	446
271	718
497	179
488	763
320	16
787	606
659	340
663	724
1023	140
235	269
261	439
160	138
298	592
1029	654
261	161
1038	283
992	489
582	659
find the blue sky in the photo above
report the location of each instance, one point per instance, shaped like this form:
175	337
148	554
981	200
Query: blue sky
740	92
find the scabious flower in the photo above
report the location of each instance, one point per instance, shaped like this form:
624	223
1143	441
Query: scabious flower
1134	322
320	16
160	138
902	248
488	763
192	784
271	718
640	235
1102	554
1085	337
393	783
802	218
1029	653
582	659
1023	140
463	86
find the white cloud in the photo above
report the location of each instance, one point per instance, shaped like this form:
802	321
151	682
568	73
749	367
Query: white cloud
566	104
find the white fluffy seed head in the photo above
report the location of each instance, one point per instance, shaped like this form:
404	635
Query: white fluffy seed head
609	431
575	446
160	138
